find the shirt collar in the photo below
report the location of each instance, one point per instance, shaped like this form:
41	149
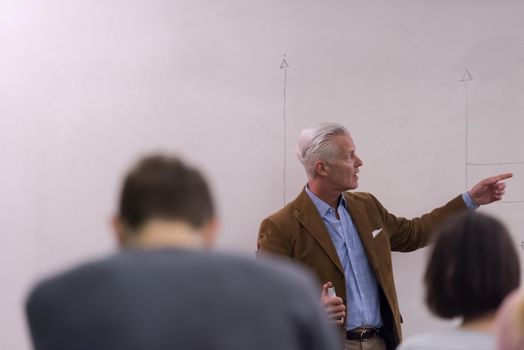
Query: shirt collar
322	207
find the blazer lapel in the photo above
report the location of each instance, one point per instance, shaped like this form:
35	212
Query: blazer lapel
364	228
309	217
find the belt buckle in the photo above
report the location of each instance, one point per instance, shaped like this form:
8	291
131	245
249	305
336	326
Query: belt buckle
364	335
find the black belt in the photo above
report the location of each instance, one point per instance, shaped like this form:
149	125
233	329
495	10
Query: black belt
362	334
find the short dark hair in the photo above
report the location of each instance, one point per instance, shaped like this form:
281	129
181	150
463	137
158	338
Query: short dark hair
474	265
163	187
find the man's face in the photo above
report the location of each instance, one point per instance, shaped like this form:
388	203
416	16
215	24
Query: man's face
342	170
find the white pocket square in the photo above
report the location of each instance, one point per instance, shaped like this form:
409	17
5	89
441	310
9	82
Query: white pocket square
376	232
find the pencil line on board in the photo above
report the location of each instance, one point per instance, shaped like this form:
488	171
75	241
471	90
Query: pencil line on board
495	163
465	78
284	65
467	132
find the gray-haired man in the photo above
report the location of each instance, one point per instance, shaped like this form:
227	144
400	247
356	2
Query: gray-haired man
346	238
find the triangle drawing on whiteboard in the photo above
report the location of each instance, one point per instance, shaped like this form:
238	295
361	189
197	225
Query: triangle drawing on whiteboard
467	76
284	64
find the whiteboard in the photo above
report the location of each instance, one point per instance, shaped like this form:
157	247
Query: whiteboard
88	87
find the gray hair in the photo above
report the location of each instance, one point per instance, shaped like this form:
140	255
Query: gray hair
315	144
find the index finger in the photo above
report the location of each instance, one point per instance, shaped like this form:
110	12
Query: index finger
503	176
497	178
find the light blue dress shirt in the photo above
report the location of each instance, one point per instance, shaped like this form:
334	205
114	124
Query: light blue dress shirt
363	303
363	300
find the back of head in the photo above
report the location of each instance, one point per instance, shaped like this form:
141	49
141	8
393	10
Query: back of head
473	266
314	144
163	187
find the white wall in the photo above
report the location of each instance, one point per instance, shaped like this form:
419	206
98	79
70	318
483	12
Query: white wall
88	86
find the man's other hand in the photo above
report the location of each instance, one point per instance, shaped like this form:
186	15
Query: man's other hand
333	305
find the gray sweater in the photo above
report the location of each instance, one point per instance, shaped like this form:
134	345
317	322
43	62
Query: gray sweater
177	299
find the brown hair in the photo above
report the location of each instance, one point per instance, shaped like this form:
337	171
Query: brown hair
473	266
163	187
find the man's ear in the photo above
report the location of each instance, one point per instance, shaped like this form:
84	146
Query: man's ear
209	232
321	168
119	230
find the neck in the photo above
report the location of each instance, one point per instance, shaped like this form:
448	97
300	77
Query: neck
480	324
329	196
166	234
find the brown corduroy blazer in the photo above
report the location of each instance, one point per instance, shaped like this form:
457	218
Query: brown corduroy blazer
298	232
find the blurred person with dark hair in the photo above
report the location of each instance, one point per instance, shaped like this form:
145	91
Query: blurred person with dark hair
166	291
473	266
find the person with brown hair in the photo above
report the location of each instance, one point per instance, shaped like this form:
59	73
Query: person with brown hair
165	291
472	267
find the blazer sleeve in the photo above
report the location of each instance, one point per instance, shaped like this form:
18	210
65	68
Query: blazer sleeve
273	240
408	235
